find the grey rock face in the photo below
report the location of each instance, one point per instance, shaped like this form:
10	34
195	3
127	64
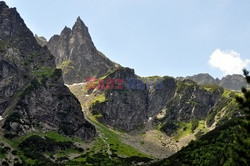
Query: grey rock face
128	109
122	108
32	91
231	82
77	56
203	79
191	101
158	97
174	100
42	41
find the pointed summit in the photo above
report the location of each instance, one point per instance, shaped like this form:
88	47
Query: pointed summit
76	54
79	23
79	20
66	31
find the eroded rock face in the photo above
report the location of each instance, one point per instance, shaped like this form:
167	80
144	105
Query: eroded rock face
233	82
178	101
42	41
77	56
32	92
122	108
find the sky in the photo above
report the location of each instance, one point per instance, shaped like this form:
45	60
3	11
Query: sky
154	37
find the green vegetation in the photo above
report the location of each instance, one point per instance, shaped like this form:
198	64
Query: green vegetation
40	148
227	93
195	123
114	141
228	144
212	88
3	152
244	100
98	99
44	72
66	66
227	106
183	130
181	86
109	150
202	127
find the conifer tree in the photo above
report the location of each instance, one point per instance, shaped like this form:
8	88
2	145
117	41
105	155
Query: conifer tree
244	101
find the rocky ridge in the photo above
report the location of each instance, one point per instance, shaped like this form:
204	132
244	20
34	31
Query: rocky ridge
77	56
33	96
231	82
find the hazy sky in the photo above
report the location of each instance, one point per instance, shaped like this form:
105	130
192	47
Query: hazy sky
155	37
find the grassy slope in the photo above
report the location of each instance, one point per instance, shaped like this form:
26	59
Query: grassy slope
228	144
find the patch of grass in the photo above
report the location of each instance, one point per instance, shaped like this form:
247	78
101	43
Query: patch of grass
212	87
114	141
226	93
100	98
98	115
184	130
33	147
195	123
225	145
43	74
47	72
201	126
66	66
56	136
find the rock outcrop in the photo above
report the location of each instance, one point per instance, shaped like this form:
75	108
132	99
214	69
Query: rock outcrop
233	82
33	96
77	56
42	41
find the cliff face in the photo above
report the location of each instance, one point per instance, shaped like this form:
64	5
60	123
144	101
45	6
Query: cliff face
166	102
76	54
32	92
234	82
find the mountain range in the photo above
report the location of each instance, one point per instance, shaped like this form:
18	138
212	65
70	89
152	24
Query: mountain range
232	82
49	114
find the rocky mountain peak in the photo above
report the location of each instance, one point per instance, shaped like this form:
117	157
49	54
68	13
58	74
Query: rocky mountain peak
66	31
76	54
3	5
32	91
79	23
79	26
81	35
12	24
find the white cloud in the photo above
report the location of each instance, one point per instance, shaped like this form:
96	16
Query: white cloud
229	62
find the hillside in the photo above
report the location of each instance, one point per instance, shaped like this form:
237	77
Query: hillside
228	144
